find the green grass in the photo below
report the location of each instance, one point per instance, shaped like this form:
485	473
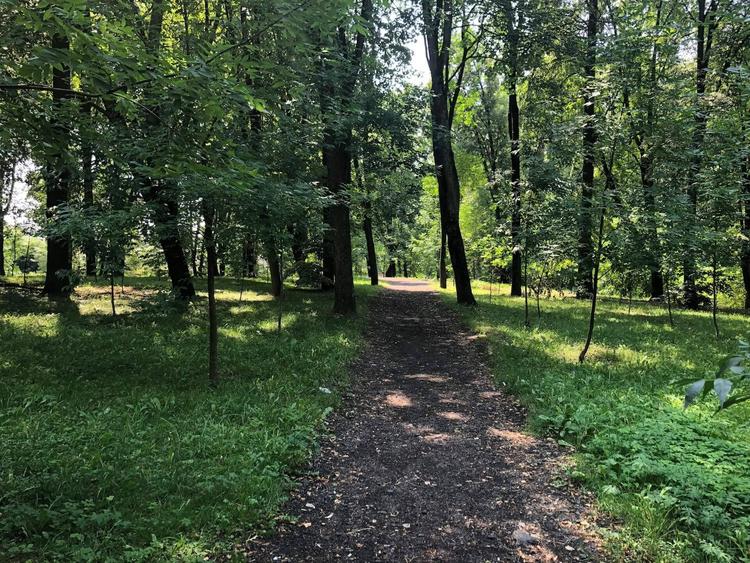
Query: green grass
676	482
115	447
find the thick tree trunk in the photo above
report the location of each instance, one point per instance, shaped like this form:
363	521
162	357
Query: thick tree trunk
338	164
372	257
329	252
166	218
57	283
442	269
450	198
406	269
391	271
585	245
514	132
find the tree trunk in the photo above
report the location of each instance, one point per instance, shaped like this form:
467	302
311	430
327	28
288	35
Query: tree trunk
442	270
647	182
4	206
585	245
87	181
514	132
329	252
449	194
745	227
339	167
2	242
438	32
165	219
406	269
249	258
691	295
57	283
391	271
372	257
213	329
274	270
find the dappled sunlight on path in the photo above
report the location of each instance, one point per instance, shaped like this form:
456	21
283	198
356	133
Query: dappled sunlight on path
428	460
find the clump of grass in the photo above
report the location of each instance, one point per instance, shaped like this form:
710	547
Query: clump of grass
113	443
679	480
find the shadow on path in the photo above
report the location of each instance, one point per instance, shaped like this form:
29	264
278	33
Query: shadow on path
427	459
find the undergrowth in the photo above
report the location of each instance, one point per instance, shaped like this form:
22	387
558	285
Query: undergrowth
677	481
114	445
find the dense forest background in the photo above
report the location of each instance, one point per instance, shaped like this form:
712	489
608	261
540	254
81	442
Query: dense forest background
173	171
150	136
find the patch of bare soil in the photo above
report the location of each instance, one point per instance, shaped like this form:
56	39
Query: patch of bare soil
428	461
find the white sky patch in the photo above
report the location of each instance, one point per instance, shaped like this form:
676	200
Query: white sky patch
419	74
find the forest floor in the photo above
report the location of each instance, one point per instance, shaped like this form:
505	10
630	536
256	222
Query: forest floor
427	460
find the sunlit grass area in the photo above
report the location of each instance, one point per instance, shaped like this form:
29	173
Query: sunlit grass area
677	482
115	445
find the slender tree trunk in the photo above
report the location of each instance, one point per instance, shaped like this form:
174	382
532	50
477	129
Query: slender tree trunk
514	132
213	329
656	285
706	16
595	286
745	226
57	283
87	181
372	257
329	252
7	174
585	244
714	288
250	258
274	270
2	243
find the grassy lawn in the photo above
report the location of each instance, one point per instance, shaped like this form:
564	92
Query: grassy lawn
113	444
678	481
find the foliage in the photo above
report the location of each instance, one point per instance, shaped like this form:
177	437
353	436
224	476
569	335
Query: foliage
118	450
678	479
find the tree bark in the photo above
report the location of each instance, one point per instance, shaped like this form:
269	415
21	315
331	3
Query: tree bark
274	270
372	257
584	288
705	28
442	269
329	252
213	328
514	132
745	226
165	218
87	177
438	29
163	201
656	285
58	176
249	258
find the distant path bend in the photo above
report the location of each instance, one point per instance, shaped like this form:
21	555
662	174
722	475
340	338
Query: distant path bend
427	460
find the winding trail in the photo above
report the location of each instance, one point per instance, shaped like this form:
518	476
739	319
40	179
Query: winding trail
427	460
